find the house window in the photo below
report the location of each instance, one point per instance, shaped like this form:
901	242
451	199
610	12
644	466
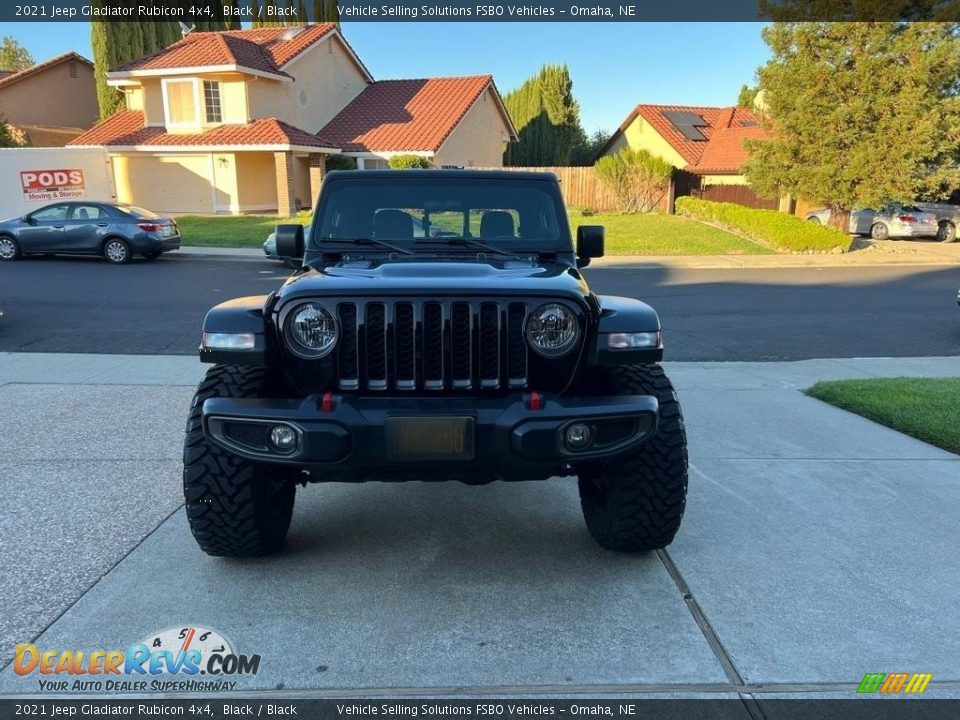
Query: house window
181	102
375	164
211	101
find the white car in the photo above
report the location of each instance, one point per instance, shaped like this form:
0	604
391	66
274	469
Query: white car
891	221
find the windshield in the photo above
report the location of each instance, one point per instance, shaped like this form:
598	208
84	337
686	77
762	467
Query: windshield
429	213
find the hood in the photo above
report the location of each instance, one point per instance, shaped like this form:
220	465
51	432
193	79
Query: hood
438	276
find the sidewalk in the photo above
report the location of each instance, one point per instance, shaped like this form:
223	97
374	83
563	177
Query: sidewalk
888	253
816	546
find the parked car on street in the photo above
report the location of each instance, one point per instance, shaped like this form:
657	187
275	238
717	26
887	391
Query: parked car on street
948	218
890	221
440	329
115	232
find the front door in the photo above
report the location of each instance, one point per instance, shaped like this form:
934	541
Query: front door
46	228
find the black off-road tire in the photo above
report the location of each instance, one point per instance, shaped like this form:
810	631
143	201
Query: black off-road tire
235	507
635	502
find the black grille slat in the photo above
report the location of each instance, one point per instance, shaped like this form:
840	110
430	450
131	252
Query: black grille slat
405	346
349	356
489	345
516	346
461	339
376	346
433	346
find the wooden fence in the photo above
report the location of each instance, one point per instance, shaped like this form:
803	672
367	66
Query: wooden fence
580	186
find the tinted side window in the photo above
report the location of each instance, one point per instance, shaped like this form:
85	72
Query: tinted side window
87	212
54	212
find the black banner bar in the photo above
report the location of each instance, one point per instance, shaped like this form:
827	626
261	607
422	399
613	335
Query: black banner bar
215	708
193	11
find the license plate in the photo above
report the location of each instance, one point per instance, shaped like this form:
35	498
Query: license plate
429	438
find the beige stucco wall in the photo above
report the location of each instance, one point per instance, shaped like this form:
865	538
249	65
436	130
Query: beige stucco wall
478	140
152	101
301	181
256	181
326	80
51	97
639	134
133	97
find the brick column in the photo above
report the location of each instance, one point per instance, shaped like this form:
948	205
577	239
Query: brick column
286	195
318	167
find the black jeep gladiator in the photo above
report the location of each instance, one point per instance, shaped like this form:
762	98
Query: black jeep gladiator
439	329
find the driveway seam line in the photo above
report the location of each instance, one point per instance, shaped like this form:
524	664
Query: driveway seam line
700	618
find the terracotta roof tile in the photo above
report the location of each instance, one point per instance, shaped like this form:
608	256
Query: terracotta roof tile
127	128
260	49
8	78
404	115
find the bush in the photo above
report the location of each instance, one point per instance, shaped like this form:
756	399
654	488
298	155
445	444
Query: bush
636	177
408	162
341	162
771	228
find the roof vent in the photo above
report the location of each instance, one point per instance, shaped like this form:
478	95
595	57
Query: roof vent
290	33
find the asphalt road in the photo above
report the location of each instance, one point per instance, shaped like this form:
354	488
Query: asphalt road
87	306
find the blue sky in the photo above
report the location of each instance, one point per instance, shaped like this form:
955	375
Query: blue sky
614	65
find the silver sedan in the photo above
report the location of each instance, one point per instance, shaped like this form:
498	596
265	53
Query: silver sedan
892	221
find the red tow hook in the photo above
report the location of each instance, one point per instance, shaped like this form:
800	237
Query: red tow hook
326	405
535	401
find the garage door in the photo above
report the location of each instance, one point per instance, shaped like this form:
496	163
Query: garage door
170	183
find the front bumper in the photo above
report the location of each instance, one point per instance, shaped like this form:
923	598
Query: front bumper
510	439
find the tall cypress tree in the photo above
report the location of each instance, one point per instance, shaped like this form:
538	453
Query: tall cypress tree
325	11
546	116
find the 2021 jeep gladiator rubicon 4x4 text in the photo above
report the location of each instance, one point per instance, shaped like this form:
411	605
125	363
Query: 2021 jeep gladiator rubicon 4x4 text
439	329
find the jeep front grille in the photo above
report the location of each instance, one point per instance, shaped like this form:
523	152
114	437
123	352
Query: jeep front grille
432	345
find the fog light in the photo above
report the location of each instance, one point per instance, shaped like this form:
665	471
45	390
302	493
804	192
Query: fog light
283	438
577	436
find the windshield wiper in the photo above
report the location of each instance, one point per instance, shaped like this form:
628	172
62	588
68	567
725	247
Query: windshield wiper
470	242
373	242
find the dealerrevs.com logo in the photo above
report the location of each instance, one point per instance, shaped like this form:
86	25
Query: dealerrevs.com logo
184	659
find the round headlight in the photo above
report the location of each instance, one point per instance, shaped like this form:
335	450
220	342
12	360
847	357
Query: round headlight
552	330
311	331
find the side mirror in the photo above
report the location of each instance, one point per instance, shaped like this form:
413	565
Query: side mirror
589	243
27	219
290	241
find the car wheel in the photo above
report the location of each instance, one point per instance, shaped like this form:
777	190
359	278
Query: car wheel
116	251
946	231
635	502
235	507
814	219
153	255
9	249
879	231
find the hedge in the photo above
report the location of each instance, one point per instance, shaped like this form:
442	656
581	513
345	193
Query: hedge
408	162
774	229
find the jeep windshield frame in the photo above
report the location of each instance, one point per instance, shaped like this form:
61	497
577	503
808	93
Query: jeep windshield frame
434	212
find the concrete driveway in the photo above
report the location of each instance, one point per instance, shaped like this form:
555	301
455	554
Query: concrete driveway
817	546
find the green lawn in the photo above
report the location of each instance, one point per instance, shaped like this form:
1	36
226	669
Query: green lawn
231	230
653	234
925	408
634	234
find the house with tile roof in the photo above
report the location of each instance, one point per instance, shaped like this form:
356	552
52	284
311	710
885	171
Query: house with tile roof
51	103
243	120
705	141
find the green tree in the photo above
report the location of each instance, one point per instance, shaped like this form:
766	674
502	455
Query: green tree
547	118
859	113
325	11
585	149
747	96
14	56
